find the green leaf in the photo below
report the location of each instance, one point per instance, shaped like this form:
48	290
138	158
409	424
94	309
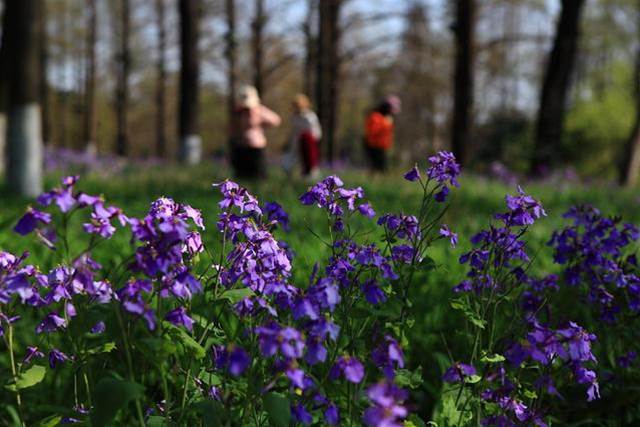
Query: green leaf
414	421
494	358
427	263
111	395
236	295
28	378
104	348
278	409
190	344
407	378
156	421
51	421
472	379
230	324
462	305
447	412
212	412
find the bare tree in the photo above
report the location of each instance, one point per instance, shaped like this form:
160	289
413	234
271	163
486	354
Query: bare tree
630	164
555	86
122	83
161	84
190	143
231	55
463	30
89	126
43	49
257	44
24	132
328	74
4	89
310	48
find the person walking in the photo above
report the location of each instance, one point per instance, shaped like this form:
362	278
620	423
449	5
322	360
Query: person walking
304	138
378	134
248	140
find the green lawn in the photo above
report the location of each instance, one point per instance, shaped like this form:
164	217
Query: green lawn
472	206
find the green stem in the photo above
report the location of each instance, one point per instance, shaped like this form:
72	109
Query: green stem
127	352
14	371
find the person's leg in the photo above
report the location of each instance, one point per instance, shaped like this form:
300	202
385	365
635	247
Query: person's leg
259	166
308	154
378	160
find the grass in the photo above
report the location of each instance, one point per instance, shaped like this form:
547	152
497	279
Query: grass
435	327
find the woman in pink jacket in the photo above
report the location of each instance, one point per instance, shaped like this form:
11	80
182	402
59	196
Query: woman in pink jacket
248	140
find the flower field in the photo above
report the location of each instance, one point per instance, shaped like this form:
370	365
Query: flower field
155	298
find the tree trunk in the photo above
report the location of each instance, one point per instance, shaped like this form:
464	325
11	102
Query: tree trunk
4	88
24	137
232	66
162	81
190	143
43	88
310	50
257	41
89	126
630	164
555	87
122	84
328	72
462	121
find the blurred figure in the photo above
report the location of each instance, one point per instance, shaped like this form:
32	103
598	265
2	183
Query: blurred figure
248	140
378	134
304	138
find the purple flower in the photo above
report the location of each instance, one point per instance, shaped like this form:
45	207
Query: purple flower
443	168
30	221
332	415
523	210
413	174
98	328
366	210
458	372
32	353
233	358
178	317
387	409
301	415
348	366
388	356
50	323
56	357
275	213
373	293
447	233
274	339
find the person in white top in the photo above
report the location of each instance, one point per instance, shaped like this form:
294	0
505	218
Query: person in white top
304	138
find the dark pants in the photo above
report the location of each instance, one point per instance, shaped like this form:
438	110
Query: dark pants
248	162
377	158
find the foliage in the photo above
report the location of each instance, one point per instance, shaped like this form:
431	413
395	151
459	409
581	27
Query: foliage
433	335
600	123
186	331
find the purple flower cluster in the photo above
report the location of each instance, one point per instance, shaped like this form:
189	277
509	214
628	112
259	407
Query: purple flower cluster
501	247
497	272
331	195
592	250
443	170
298	332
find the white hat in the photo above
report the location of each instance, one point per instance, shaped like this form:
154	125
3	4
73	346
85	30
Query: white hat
248	97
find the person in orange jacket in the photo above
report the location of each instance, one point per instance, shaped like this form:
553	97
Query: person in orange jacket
378	133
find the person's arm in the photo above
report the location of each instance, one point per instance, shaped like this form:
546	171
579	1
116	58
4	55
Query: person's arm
269	118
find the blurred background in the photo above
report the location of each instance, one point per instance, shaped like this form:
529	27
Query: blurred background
511	86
